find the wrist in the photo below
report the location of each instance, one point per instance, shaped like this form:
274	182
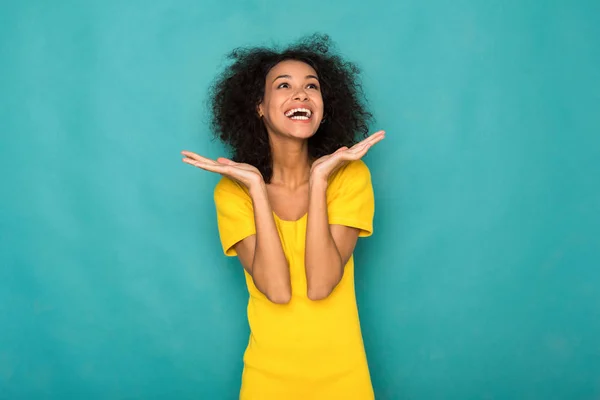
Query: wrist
257	190
317	183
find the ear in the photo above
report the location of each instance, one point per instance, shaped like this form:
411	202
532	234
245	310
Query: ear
259	110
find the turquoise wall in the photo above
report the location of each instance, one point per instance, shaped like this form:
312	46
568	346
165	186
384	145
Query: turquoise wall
481	281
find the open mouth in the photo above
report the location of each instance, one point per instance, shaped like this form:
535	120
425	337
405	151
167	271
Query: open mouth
299	114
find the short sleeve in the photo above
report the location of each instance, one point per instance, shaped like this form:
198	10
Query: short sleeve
350	199
235	214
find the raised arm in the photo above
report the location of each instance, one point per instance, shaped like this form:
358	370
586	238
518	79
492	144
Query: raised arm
261	254
329	246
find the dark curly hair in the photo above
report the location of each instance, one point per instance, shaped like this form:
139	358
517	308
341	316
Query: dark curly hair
237	91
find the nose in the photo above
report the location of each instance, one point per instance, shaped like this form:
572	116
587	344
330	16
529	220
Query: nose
300	95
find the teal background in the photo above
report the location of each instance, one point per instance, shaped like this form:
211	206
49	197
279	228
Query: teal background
481	281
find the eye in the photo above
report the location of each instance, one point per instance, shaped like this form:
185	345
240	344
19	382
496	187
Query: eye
313	86
285	84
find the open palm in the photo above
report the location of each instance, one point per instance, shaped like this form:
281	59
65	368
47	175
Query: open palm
323	167
246	174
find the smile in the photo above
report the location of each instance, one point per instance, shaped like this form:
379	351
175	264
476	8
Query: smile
299	114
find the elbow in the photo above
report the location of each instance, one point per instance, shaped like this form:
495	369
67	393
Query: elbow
321	282
321	287
280	296
318	292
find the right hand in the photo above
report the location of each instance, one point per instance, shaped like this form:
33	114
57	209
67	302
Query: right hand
246	174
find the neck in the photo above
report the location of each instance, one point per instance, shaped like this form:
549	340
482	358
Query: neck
291	165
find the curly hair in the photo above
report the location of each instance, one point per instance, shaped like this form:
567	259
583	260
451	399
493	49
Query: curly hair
237	91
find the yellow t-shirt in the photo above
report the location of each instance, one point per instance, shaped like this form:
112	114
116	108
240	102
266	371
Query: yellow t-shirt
305	349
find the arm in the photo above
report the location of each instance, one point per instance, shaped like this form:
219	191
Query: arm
328	247
262	254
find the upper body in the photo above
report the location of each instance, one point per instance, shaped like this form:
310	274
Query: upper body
304	340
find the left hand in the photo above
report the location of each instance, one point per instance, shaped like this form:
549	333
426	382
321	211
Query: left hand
323	167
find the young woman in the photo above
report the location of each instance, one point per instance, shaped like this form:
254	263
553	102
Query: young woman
291	204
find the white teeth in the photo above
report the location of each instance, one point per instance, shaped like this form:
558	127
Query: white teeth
295	110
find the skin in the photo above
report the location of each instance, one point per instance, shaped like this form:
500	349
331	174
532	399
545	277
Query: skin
298	187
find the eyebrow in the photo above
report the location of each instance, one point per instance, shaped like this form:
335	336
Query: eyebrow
289	77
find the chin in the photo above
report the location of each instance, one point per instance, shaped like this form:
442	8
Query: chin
297	131
303	134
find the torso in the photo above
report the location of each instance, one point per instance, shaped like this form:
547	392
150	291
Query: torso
303	349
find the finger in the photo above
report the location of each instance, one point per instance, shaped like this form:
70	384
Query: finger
340	149
209	166
201	164
358	152
192	161
359	148
361	144
374	138
196	157
370	141
377	134
223	160
189	161
222	169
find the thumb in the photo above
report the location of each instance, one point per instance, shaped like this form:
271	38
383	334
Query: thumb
226	161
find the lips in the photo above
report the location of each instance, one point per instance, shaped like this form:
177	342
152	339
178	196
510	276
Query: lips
299	114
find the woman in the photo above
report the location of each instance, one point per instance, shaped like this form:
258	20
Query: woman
291	204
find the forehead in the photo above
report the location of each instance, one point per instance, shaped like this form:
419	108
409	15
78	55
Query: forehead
293	68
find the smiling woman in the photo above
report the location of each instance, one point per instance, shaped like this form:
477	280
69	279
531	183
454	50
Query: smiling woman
291	205
292	104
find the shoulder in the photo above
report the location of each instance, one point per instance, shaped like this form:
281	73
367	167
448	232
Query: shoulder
228	188
350	198
354	172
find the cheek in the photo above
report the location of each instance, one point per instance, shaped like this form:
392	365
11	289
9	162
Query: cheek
275	101
319	102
